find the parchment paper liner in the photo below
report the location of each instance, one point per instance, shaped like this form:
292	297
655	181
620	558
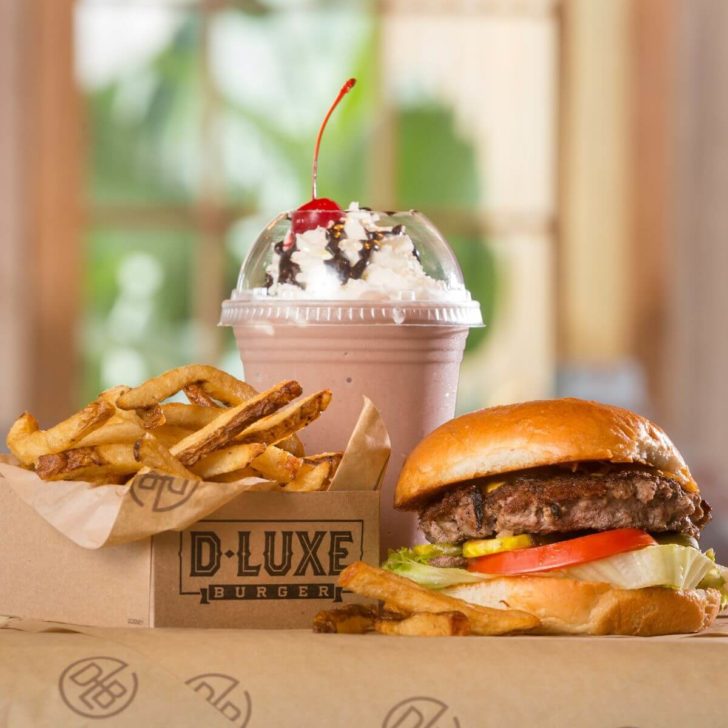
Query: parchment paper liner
96	516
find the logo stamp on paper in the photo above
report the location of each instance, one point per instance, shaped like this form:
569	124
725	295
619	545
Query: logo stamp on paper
165	492
217	688
420	712
98	687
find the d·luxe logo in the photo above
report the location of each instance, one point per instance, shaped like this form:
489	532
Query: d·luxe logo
235	560
164	492
216	688
420	712
98	687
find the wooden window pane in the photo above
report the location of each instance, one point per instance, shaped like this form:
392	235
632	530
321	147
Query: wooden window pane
499	72
492	191
517	360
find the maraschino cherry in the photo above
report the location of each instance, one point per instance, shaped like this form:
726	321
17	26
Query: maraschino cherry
318	211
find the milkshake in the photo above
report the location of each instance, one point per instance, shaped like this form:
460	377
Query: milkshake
367	304
371	304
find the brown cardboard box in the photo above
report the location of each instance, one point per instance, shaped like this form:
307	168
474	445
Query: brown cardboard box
262	560
166	552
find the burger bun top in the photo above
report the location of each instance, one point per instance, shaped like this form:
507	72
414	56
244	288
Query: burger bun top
515	437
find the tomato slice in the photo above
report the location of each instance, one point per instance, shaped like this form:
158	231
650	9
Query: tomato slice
563	553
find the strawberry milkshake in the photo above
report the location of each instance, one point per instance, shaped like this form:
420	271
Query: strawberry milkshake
364	303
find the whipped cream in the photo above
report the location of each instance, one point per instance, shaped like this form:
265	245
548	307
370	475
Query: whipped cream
355	258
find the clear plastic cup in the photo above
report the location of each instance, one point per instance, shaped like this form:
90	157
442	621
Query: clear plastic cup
396	335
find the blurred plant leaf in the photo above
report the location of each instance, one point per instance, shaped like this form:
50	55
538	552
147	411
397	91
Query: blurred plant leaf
145	126
436	171
435	166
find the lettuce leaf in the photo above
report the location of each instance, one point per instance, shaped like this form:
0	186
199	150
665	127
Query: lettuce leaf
669	565
408	563
716	578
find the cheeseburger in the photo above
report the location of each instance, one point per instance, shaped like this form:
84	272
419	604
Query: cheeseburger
580	513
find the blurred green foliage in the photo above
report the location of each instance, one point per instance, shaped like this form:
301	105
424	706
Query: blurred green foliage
145	127
435	167
436	171
138	308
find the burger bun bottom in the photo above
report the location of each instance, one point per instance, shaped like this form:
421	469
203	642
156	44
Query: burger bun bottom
570	606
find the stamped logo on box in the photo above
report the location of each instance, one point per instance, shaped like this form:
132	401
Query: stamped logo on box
267	559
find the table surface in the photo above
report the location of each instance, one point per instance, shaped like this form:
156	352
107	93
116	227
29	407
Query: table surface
66	675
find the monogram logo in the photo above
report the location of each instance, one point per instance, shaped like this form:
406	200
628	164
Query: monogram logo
165	492
216	688
420	713
98	687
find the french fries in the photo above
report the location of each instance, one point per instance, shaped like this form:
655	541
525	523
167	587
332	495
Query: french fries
28	442
113	431
157	389
236	475
361	619
288	420
409	597
349	619
151	417
426	624
169	435
229	460
88	462
233	421
313	475
154	456
228	432
276	464
197	395
226	389
190	416
230	392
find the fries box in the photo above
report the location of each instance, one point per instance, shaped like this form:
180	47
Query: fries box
166	552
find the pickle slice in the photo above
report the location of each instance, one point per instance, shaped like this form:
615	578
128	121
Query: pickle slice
429	551
485	546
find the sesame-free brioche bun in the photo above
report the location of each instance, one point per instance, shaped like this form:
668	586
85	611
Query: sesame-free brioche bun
569	606
530	435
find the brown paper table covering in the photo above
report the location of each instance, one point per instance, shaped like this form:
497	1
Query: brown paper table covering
53	675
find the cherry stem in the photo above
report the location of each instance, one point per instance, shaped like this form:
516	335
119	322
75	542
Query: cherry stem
314	171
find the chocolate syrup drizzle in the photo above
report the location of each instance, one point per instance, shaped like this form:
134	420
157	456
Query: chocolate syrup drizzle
339	262
288	270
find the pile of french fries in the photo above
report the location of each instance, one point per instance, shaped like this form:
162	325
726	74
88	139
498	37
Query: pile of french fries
412	610
226	432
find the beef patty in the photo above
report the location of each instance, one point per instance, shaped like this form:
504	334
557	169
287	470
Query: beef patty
554	500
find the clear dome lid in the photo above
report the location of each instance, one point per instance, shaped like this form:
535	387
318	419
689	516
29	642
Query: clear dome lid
355	266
